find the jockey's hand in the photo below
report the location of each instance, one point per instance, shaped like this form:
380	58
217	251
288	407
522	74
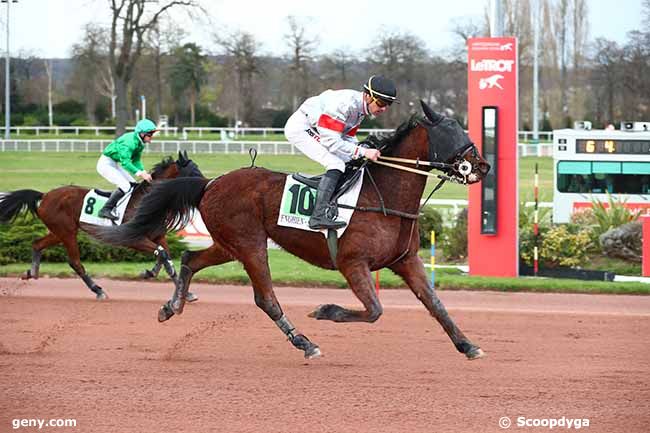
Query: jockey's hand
371	154
145	176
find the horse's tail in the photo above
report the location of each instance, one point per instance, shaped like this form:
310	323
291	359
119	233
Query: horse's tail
167	206
14	203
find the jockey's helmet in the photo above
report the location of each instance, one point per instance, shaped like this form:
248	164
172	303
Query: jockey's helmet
382	88
145	126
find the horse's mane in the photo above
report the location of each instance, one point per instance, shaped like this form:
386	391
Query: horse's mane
388	142
157	170
162	166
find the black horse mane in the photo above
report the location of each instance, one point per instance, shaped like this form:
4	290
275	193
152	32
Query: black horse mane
388	142
162	166
156	171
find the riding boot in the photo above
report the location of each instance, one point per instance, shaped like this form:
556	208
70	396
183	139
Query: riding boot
320	218
108	211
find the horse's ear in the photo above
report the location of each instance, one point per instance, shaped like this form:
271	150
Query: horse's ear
434	117
187	158
180	156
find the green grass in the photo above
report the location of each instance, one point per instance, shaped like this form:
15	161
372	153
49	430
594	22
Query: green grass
47	170
289	270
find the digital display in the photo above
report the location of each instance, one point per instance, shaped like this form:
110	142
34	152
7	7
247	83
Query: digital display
617	147
489	183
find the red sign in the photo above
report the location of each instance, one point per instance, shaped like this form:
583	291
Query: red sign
492	82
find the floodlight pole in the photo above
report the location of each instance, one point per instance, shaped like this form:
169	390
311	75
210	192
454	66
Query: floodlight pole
536	75
7	98
496	29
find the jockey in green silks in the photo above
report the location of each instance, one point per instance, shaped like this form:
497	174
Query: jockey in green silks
122	160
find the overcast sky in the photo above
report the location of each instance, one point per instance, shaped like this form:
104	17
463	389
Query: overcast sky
49	28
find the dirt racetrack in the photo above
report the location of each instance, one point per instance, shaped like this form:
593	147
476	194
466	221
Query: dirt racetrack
223	366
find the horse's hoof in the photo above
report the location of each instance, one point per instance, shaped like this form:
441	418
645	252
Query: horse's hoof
191	297
101	295
165	313
27	275
313	352
475	353
147	274
319	312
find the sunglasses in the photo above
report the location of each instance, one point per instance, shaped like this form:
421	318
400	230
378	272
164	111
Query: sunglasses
148	134
381	103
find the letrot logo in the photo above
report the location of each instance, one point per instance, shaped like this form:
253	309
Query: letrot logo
490	82
506	47
491	65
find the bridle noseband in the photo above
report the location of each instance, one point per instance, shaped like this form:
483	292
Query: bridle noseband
460	165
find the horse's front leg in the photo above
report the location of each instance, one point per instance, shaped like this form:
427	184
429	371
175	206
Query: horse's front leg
360	281
412	271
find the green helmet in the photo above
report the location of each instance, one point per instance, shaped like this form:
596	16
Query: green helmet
144	126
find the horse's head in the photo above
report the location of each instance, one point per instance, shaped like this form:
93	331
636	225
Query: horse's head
449	144
182	167
187	167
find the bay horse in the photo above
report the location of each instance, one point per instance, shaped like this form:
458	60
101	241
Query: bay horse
59	209
240	210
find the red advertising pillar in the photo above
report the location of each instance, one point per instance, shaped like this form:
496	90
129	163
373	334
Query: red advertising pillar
492	91
645	246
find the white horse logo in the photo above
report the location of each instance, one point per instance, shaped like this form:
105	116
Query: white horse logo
506	47
490	82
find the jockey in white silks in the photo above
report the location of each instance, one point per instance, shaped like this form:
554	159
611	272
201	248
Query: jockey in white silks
324	129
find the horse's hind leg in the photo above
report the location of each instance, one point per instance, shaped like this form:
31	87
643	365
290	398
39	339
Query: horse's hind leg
37	246
412	271
257	268
360	281
72	248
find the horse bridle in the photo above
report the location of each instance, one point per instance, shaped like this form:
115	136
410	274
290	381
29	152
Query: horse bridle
460	165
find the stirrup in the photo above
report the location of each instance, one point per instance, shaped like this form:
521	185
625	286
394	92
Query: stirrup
324	223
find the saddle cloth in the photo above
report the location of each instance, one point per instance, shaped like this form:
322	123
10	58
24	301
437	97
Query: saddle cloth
298	201
94	201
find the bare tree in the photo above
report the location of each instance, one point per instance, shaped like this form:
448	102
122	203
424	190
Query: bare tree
90	65
164	37
302	48
398	56
606	80
241	48
133	20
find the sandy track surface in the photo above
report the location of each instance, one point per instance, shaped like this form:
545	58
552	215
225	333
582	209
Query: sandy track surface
223	366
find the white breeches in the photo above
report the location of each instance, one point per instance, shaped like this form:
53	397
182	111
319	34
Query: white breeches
300	133
112	172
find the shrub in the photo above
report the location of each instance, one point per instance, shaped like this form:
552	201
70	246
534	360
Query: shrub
454	243
16	245
429	220
612	215
563	247
79	122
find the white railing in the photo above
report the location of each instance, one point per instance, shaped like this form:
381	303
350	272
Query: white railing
58	130
539	149
224	132
160	146
195	146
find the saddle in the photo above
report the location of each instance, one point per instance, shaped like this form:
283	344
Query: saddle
107	194
347	180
